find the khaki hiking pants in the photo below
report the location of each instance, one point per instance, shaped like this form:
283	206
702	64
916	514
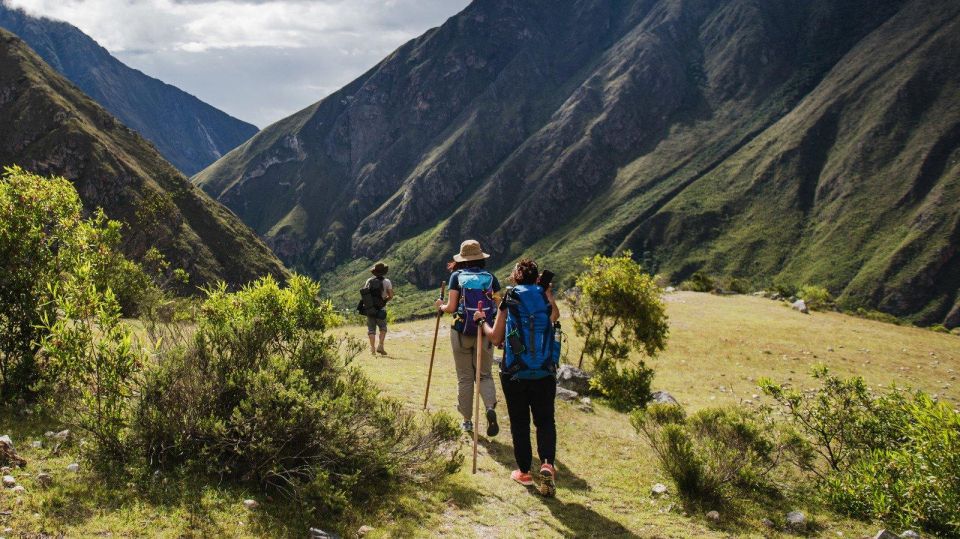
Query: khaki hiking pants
464	358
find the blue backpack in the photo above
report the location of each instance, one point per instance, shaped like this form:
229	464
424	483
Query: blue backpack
475	286
531	343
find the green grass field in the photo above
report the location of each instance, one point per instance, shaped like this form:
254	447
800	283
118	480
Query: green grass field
718	347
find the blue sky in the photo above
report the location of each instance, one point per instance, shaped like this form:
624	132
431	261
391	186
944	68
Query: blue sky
259	60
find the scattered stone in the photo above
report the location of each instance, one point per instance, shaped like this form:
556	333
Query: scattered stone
364	530
44	479
768	523
6	439
659	489
5	470
713	516
317	533
797	521
566	394
909	534
669	290
801	306
73	467
574	379
884	534
662	397
830	349
9	481
36	444
251	504
7	453
19	489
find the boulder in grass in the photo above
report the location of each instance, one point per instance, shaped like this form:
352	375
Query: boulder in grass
317	533
662	397
566	394
797	521
9	481
73	467
574	379
884	534
800	306
713	516
19	489
44	479
8	455
659	489
909	534
251	504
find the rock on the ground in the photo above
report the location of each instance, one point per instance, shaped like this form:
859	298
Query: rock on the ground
797	520
364	530
669	290
8	455
909	534
884	534
19	489
36	444
566	394
6	439
659	489
73	467
801	306
251	504
44	479
9	481
662	397
713	516
768	523
62	436
317	533
574	379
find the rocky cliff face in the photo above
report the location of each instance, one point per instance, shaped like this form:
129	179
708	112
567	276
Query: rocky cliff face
51	128
760	139
188	132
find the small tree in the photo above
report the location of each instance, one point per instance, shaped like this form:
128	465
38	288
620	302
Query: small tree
617	309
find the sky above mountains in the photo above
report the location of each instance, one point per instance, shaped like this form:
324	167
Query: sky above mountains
258	60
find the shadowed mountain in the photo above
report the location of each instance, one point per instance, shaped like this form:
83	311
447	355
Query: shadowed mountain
778	140
188	132
52	128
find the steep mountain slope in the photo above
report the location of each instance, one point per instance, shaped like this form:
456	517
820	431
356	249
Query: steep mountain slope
188	132
735	136
51	128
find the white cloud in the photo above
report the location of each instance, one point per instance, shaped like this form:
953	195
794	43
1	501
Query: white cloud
256	59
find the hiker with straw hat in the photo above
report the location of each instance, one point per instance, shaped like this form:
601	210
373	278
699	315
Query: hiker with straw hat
374	295
470	284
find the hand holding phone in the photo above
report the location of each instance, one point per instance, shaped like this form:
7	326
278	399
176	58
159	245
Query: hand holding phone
545	279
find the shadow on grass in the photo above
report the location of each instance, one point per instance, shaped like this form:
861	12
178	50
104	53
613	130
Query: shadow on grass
503	454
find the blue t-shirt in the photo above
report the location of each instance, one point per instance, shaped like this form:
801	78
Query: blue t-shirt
454	283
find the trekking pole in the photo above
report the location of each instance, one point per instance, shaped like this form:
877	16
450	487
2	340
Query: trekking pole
433	351
476	388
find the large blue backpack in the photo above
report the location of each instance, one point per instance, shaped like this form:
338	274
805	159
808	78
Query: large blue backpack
475	286
531	346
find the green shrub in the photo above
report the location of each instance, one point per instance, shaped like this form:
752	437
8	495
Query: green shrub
914	480
617	308
711	453
784	289
878	316
44	240
262	394
939	328
698	282
817	298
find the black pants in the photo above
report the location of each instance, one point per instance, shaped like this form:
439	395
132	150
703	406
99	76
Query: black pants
523	398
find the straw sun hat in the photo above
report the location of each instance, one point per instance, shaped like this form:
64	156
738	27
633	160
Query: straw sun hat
470	250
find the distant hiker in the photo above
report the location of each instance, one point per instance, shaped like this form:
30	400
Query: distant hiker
526	326
469	284
374	295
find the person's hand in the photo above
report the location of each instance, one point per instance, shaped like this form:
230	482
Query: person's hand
438	304
479	315
548	291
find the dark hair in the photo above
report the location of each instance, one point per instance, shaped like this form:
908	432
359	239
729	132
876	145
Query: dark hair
525	272
453	265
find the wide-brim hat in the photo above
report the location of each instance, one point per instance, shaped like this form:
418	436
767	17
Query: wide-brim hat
379	268
470	250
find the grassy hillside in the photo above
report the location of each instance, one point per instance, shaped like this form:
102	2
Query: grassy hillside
773	141
52	128
718	347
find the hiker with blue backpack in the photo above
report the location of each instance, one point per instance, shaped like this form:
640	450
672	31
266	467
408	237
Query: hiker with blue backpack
526	324
469	285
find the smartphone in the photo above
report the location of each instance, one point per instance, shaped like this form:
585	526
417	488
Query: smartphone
545	278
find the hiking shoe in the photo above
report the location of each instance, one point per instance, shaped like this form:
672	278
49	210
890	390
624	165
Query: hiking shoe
524	479
467	426
492	427
381	351
548	476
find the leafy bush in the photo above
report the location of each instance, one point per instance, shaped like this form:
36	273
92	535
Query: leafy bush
914	481
711	452
698	282
263	395
878	316
617	309
44	241
817	298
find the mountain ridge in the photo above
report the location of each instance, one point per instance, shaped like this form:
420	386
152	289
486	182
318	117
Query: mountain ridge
557	130
189	133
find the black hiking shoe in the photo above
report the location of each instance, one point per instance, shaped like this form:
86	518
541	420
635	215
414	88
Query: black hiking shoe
492	427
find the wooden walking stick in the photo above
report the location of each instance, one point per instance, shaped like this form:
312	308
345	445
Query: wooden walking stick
476	389
436	330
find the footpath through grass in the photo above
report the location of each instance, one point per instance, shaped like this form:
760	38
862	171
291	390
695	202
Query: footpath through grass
717	349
